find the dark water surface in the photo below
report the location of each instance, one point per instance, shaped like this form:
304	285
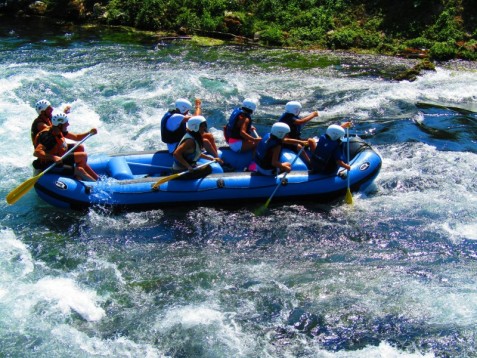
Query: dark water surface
392	275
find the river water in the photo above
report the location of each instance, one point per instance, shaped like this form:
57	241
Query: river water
393	275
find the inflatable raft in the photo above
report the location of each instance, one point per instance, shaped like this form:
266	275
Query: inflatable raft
127	181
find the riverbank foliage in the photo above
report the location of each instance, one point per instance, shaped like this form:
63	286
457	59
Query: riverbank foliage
439	29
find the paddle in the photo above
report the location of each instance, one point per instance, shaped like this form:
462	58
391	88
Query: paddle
263	208
148	165
177	175
23	188
348	197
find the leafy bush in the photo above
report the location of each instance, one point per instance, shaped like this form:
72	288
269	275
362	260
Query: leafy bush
304	35
447	27
272	35
467	54
369	40
122	12
342	38
149	16
418	42
443	51
468	50
387	47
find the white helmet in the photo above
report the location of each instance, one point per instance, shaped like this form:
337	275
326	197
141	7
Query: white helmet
194	123
41	105
293	107
183	105
249	104
335	132
280	130
59	118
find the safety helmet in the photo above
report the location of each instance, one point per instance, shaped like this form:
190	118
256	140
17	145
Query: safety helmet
59	118
183	105
335	132
249	104
41	105
193	124
293	107
280	130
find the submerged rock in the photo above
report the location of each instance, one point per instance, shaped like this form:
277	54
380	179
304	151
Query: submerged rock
412	73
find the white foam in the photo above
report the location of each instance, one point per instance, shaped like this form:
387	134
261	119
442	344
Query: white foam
66	295
215	323
18	265
461	230
15	258
80	343
383	350
76	74
190	316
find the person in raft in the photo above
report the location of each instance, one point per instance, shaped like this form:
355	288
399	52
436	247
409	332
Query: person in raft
267	154
173	126
327	154
43	121
50	146
190	149
239	131
291	117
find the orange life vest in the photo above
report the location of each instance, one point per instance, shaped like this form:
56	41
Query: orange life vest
54	144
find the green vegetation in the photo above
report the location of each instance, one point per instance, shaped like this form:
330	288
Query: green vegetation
441	30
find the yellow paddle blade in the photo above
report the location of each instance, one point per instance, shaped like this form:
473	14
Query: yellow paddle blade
164	180
349	197
261	210
22	189
267	203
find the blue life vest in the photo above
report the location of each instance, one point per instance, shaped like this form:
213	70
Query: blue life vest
264	151
231	129
169	136
326	149
295	129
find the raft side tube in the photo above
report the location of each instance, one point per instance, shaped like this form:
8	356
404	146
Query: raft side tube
118	168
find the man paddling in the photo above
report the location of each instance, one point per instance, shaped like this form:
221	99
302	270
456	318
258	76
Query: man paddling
50	146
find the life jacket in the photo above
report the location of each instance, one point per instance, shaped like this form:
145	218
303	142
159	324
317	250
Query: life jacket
325	150
54	144
231	130
295	129
190	158
168	136
264	151
34	126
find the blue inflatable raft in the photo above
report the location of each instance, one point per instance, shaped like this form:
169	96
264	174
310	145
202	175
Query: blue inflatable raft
127	181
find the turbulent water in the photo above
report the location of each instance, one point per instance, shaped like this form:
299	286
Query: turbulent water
392	275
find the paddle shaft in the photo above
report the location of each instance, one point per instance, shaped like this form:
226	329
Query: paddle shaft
284	176
148	165
347	145
177	175
348	197
66	154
